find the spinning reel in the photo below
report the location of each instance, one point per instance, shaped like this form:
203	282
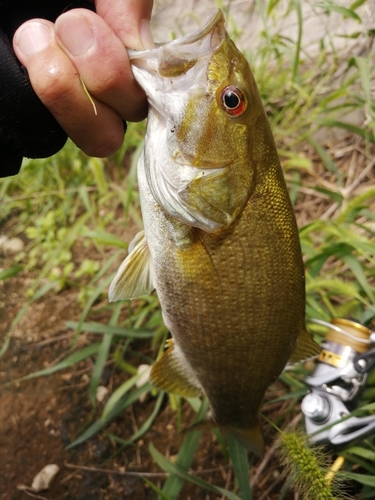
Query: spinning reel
340	375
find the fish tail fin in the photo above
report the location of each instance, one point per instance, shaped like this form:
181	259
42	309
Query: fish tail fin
250	437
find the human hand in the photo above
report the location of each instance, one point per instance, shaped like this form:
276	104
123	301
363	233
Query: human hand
91	46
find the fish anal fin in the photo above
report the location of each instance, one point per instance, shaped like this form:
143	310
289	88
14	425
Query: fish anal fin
250	437
134	277
305	348
171	373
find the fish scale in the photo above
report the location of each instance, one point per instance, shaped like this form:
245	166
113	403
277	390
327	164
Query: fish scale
220	242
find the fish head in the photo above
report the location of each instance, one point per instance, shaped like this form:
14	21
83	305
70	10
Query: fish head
204	107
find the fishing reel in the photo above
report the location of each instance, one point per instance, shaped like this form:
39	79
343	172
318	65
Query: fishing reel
340	375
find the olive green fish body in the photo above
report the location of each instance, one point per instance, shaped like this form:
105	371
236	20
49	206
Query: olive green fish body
220	243
233	300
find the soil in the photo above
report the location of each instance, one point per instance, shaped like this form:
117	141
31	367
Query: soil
39	418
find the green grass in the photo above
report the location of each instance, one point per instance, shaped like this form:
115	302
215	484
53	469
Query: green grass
77	215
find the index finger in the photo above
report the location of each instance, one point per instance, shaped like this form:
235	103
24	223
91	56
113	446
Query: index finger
133	33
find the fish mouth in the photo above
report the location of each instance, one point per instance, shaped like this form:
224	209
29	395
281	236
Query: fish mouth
176	57
215	20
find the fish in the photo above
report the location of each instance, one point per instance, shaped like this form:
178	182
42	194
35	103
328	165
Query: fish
220	242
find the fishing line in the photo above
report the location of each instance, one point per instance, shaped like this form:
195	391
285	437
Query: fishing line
371	340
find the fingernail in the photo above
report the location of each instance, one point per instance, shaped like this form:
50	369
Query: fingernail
75	33
145	34
32	37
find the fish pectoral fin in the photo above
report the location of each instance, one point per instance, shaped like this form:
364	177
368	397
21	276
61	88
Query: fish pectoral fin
171	373
250	437
217	195
305	348
134	277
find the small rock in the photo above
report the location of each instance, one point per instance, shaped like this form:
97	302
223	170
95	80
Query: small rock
101	393
11	246
44	478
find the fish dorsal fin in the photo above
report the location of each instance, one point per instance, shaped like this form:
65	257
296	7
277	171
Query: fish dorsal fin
134	277
171	373
305	348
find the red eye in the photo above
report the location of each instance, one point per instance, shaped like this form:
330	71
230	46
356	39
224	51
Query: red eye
233	100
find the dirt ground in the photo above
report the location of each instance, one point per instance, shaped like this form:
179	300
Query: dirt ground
39	418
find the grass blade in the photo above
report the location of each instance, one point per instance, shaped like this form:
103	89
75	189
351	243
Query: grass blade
360	478
362	452
174	483
144	427
296	59
118	394
69	361
105	238
343	11
161	495
10	271
240	463
102	357
101	422
183	474
93	327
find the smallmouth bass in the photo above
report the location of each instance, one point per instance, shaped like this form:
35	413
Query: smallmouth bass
220	242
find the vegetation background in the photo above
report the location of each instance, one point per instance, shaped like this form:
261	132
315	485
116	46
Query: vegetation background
72	390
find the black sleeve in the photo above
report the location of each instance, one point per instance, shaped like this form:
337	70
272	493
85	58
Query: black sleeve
27	128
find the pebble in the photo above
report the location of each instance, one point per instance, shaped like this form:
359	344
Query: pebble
44	478
11	246
101	393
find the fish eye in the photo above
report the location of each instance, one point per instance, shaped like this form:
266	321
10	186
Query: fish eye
233	100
